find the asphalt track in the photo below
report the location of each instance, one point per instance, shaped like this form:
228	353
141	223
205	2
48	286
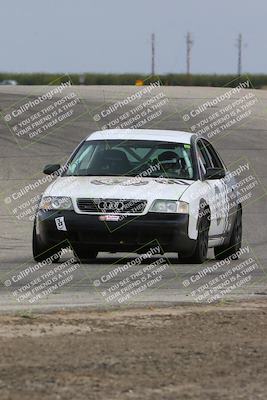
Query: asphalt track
18	164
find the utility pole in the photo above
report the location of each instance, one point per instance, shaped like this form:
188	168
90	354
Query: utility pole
153	53
240	47
189	44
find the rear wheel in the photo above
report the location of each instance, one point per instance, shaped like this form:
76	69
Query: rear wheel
201	250
230	250
84	254
41	252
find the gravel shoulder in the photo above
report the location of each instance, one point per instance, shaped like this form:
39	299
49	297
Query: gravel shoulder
184	352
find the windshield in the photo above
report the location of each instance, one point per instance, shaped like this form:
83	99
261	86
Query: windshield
132	158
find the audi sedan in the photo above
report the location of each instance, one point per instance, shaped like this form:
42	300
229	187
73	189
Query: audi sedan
122	190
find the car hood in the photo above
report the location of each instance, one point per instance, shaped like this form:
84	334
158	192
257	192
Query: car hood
118	187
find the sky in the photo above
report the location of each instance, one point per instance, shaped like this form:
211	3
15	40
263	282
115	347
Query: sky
114	36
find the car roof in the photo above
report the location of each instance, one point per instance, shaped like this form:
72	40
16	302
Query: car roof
142	134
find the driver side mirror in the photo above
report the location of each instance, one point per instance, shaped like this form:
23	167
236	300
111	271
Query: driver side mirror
214	173
51	168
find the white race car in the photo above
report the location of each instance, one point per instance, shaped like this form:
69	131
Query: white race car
123	189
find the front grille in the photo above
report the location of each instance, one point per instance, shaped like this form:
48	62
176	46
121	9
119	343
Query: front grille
111	206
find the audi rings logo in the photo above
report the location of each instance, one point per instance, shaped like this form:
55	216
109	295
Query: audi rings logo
110	205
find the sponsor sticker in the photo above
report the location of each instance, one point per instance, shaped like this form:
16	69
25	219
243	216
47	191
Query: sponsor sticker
60	223
109	218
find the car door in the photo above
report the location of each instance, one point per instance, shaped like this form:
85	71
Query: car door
215	189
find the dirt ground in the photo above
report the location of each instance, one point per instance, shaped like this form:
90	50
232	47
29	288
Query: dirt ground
184	352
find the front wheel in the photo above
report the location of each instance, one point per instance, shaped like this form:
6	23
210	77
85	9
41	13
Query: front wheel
41	252
222	252
201	250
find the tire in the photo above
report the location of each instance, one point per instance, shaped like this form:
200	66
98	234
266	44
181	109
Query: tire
222	252
201	250
40	251
84	255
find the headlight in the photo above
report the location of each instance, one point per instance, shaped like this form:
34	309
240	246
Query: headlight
56	203
170	206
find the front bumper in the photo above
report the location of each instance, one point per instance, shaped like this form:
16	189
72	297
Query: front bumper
133	232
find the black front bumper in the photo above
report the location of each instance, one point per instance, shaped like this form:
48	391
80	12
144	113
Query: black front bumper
169	230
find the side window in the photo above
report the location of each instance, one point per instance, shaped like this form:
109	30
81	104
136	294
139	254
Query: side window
203	157
215	160
86	157
80	160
